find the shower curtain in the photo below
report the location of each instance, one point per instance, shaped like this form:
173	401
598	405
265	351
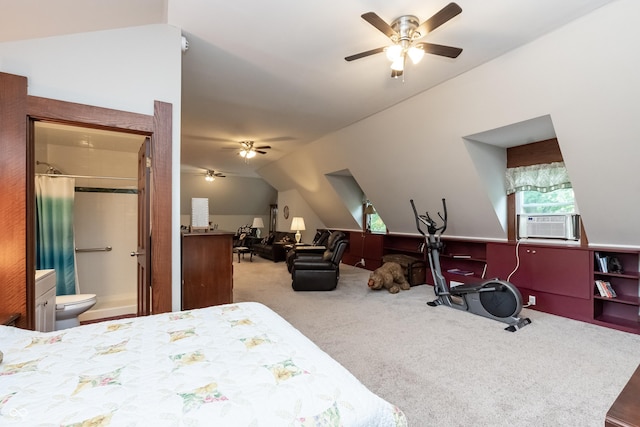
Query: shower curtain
55	242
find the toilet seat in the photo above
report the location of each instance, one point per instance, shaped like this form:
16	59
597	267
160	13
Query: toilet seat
69	301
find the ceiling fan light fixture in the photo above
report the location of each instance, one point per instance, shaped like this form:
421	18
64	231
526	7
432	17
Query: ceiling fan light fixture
416	54
209	176
393	52
250	154
398	64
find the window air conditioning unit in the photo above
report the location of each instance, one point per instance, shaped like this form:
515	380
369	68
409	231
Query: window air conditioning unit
565	227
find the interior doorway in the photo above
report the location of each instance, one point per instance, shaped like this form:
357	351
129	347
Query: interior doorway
103	165
17	108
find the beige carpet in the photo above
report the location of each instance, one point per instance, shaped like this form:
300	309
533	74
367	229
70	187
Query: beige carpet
444	367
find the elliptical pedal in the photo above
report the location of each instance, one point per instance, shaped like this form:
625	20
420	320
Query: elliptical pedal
519	325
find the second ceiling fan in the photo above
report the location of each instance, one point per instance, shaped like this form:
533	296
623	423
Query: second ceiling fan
403	32
248	149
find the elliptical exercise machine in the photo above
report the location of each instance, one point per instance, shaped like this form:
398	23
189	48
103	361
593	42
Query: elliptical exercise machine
495	299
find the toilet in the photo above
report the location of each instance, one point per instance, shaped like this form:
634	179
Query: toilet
69	307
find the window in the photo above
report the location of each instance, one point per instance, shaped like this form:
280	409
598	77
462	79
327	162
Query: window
372	220
538	183
376	224
554	202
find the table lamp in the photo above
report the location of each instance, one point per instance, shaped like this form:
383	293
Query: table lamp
257	224
297	224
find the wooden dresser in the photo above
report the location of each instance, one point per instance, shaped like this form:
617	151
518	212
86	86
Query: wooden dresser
207	269
625	411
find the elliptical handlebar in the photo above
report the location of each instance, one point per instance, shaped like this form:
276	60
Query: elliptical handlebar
432	226
415	214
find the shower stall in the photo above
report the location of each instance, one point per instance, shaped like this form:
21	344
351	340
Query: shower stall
104	165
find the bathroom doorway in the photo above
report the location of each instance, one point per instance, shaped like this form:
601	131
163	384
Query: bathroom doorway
104	165
18	110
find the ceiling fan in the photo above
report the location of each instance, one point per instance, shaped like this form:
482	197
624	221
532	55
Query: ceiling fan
249	151
211	175
403	32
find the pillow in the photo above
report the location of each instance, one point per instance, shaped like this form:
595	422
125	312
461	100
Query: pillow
270	239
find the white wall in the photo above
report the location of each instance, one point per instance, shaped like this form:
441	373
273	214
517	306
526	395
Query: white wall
584	79
124	69
297	207
233	195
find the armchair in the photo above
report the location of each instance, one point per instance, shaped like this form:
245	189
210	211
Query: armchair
320	272
316	248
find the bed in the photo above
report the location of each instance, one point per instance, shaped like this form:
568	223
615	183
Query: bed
230	365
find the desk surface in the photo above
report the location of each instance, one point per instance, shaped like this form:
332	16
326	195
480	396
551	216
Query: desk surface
625	411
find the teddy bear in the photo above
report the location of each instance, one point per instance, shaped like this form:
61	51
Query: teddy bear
390	276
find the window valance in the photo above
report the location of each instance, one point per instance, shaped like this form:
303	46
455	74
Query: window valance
543	178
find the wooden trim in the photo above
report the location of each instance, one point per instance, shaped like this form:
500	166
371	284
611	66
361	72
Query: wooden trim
161	226
511	218
547	151
17	238
14	253
89	116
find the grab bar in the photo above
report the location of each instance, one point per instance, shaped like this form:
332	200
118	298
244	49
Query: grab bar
105	249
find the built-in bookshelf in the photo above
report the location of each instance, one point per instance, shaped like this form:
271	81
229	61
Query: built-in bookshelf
619	268
401	244
562	278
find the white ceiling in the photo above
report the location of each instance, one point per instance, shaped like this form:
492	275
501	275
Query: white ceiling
274	72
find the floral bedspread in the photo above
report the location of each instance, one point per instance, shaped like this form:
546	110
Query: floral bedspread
230	365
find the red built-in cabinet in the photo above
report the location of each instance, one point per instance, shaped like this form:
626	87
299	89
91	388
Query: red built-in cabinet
620	312
364	246
558	277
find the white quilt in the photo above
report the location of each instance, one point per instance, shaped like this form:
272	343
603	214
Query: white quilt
231	365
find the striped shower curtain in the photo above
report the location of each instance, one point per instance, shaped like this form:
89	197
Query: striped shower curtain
55	242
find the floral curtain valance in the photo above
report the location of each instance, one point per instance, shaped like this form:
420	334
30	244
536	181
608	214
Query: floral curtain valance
543	178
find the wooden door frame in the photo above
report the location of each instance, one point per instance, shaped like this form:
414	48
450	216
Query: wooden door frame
17	238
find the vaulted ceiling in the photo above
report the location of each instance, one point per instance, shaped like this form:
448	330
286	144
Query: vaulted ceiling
274	72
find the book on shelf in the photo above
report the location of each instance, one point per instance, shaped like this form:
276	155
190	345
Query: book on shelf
601	291
460	256
610	289
605	289
602	262
460	272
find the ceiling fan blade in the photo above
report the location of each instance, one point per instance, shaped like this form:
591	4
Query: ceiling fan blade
446	13
379	23
438	49
364	54
264	147
261	152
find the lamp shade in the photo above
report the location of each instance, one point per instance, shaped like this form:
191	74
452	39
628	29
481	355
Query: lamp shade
297	223
257	223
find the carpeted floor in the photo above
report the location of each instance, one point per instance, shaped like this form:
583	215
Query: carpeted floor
444	367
